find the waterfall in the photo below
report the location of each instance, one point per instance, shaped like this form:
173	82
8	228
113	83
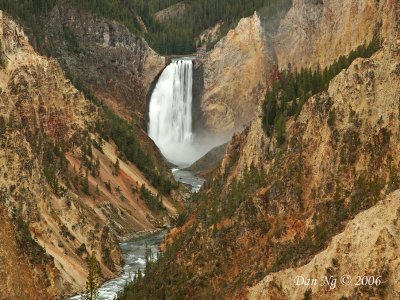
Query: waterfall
170	112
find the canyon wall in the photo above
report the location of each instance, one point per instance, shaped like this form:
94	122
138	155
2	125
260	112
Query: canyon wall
312	34
368	246
365	96
54	212
304	39
277	210
318	32
234	76
116	65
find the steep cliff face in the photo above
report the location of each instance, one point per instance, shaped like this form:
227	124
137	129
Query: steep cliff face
234	75
304	39
344	143
368	246
116	65
339	159
54	212
172	12
19	280
106	60
245	149
313	33
318	32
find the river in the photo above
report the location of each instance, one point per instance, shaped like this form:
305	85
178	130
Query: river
170	127
133	251
189	178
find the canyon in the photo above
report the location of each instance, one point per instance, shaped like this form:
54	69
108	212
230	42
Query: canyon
87	148
50	224
274	211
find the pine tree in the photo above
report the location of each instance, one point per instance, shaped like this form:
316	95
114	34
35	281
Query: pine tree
3	57
280	130
92	281
116	167
85	184
96	168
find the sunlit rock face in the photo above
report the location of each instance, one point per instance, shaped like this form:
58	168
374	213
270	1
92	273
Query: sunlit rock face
318	32
235	73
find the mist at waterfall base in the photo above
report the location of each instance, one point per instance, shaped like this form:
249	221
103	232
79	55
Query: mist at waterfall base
170	115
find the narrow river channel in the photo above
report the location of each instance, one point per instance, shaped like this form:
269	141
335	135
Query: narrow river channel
133	251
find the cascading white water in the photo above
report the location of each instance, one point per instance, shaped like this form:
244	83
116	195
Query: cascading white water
171	112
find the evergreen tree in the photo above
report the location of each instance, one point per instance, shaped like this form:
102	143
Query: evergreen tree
95	170
176	35
288	93
116	167
280	129
93	279
85	184
3	57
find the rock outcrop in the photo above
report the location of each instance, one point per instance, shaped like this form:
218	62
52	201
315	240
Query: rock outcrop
172	12
318	32
235	74
313	33
209	37
313	20
210	161
49	226
360	107
274	207
368	247
116	65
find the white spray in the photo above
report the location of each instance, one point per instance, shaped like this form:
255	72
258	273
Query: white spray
171	112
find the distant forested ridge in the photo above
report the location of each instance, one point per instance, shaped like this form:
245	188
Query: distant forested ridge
174	36
177	36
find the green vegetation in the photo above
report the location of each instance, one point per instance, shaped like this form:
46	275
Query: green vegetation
195	263
90	162
308	294
152	202
123	134
329	220
29	12
223	205
211	207
85	184
72	42
124	11
27	245
288	94
92	281
116	167
55	163
175	36
178	35
80	85
3	62
160	282
181	219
